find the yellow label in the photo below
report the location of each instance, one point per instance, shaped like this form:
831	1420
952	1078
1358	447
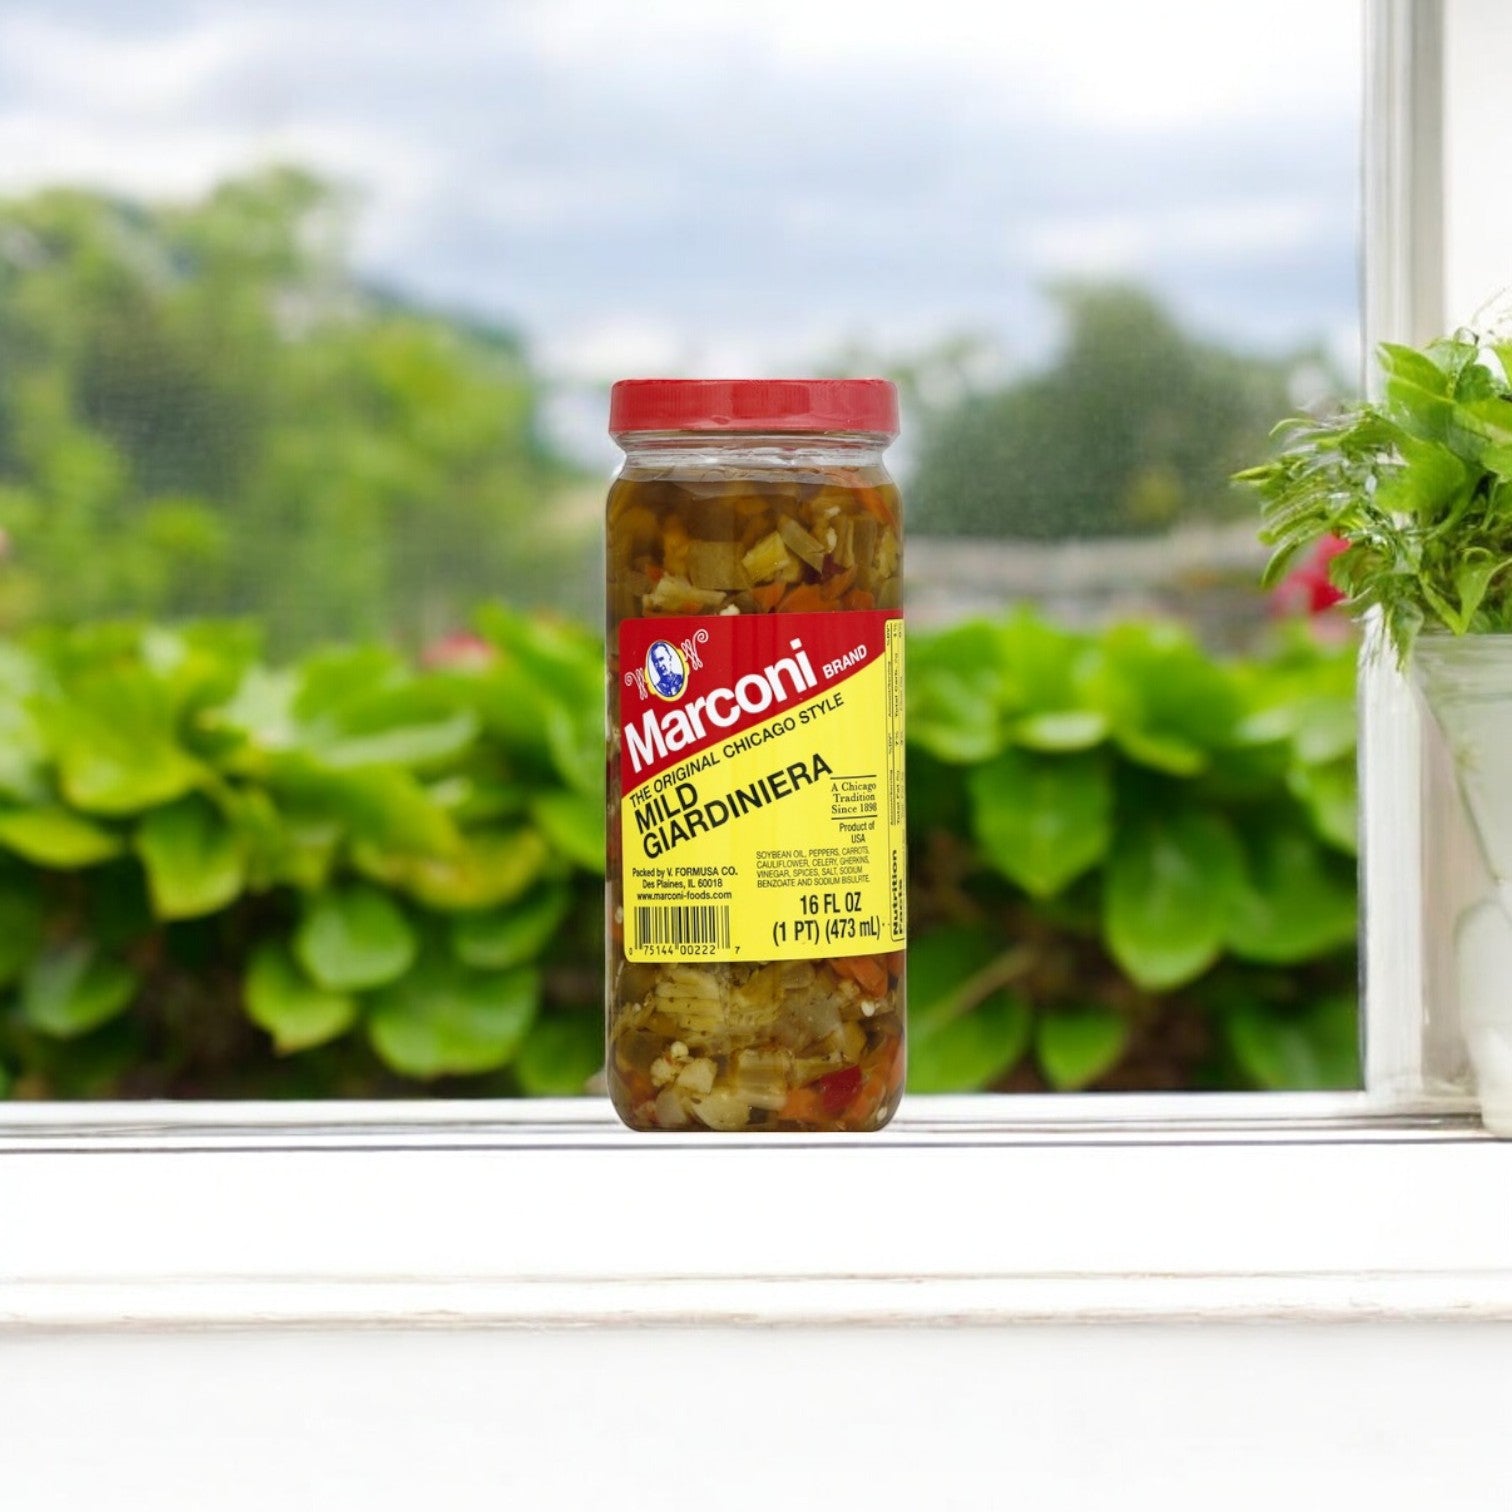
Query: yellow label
776	840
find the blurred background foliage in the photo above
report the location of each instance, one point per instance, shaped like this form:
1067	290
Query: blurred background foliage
1134	427
202	411
290	806
349	876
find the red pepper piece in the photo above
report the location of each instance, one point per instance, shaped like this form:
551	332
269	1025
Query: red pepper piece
837	1089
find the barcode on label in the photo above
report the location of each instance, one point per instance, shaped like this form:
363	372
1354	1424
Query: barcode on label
702	924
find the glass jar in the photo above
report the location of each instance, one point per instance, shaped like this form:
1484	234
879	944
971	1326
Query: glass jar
757	864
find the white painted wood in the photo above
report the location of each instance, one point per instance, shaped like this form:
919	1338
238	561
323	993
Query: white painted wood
576	1222
1477	215
1053	1419
1403	266
1437	233
523	1305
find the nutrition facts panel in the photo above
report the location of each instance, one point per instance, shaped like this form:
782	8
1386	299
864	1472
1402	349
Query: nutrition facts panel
897	828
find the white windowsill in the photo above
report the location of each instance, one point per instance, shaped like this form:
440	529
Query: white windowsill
968	1211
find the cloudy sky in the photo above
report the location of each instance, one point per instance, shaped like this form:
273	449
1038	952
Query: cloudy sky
701	185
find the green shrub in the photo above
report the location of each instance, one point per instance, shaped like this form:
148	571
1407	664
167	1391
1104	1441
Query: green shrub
1132	864
355	877
225	879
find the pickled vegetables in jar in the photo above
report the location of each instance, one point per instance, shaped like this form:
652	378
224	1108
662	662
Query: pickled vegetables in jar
757	868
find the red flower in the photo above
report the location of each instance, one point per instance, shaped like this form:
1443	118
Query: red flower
1307	589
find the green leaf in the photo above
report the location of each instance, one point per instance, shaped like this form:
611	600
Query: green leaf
331	679
20	930
1324	729
294	1010
490	868
193	859
1075	1046
1330	794
1413	366
1168	895
68	990
546	692
574	823
965	1028
278	849
941	966
414	724
1042	820
1294	901
561	1053
1417	391
1489	419
354	938
381	807
23	751
1285	1050
114	740
510	936
936	796
1068	730
1430	483
955	690
57	838
1168	705
1472	577
200	665
1047	672
446	1020
973	1051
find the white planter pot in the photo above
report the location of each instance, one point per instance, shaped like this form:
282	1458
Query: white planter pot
1466	684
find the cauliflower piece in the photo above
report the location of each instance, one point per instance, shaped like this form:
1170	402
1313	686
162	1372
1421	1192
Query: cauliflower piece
697	1076
671	1113
723	1111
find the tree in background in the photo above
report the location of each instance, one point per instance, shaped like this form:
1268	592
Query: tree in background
1135	425
202	411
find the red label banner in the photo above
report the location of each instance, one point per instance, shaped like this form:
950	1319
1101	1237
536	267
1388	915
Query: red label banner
689	682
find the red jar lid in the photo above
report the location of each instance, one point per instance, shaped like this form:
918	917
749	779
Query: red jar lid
868	405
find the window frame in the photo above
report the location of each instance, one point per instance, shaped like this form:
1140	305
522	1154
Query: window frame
369	1213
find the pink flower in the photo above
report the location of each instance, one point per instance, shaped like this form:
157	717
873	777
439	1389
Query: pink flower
461	651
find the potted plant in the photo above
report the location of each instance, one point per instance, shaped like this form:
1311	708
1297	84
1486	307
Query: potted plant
1413	496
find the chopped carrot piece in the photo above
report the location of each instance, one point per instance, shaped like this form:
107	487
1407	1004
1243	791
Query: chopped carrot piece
869	974
804	599
875	504
768	596
803	1105
838	584
860	598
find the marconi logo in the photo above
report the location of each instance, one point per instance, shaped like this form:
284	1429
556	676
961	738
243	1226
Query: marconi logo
666	670
656	736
